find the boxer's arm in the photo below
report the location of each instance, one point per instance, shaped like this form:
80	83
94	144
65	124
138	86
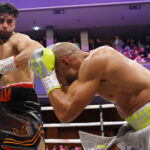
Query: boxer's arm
25	47
68	106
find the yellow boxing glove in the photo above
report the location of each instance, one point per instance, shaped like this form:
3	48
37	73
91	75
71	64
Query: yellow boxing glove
42	63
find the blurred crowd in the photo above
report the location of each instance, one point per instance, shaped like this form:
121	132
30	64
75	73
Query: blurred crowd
63	147
135	49
138	50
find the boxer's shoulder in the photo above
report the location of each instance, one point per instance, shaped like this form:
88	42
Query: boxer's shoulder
103	52
18	37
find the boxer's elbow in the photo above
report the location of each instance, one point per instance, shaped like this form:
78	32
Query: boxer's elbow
34	45
66	118
69	114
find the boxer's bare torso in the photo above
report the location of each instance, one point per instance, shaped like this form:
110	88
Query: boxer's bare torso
16	46
124	82
108	73
20	46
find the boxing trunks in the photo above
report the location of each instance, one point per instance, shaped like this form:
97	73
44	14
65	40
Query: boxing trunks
141	118
20	117
133	135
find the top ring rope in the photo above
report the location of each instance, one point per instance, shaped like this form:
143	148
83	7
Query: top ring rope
85	124
47	108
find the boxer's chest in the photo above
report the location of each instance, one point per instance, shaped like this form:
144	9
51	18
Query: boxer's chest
7	49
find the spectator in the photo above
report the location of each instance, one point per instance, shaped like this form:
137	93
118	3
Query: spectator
98	42
44	41
126	53
76	148
118	43
135	47
54	147
66	147
138	57
135	54
110	42
46	147
80	148
139	43
127	43
127	48
147	43
69	41
132	43
72	148
55	40
91	44
41	42
142	52
147	59
61	147
74	41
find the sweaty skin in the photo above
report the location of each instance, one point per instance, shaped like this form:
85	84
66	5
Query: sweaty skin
108	73
21	46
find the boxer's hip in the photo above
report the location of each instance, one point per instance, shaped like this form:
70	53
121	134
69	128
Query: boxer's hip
20	117
140	118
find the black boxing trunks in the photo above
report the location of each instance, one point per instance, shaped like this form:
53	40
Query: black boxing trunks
20	117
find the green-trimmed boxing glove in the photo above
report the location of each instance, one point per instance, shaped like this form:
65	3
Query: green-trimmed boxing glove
42	63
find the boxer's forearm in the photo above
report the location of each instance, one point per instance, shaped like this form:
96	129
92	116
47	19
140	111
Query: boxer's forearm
69	105
62	105
14	62
8	64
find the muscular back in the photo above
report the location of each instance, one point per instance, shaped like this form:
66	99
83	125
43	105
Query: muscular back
17	45
121	81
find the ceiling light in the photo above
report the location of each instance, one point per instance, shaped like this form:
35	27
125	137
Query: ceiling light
36	28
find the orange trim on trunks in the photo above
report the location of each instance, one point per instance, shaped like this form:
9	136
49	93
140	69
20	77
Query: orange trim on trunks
25	143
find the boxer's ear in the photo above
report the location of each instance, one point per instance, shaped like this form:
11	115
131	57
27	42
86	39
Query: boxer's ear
66	61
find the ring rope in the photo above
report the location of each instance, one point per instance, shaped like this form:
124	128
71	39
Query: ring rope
47	125
85	124
46	108
101	120
62	141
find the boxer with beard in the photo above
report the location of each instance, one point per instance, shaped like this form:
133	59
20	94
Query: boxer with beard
20	116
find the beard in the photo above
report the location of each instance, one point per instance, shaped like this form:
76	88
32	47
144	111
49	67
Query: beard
5	37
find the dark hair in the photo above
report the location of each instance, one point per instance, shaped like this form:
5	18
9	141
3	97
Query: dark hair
8	8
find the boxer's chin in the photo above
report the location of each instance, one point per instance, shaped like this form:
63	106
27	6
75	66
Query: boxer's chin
5	36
